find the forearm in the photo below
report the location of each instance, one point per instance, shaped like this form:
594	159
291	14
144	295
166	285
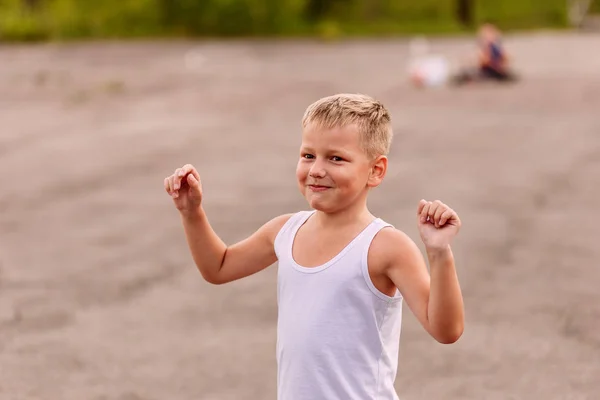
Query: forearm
445	308
208	250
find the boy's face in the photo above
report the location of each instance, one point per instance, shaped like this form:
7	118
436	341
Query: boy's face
488	33
334	170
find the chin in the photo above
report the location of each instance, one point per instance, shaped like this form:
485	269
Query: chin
313	203
317	206
320	205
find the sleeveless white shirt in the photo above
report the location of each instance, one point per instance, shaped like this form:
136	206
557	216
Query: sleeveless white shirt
337	335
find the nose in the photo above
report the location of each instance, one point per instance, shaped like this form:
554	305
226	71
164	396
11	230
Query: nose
317	170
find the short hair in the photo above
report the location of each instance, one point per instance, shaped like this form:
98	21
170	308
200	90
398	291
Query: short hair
370	116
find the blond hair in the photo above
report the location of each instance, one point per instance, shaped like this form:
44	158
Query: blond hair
370	116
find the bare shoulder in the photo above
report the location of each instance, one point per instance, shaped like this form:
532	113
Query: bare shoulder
391	248
271	228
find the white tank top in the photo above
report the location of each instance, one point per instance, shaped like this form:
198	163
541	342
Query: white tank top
337	335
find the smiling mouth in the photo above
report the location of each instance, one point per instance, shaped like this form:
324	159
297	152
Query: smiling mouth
318	188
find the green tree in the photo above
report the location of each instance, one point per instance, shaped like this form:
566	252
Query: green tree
464	12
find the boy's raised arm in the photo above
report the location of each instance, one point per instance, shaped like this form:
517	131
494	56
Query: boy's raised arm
217	262
435	299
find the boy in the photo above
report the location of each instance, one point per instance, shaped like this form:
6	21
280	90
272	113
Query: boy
492	59
342	273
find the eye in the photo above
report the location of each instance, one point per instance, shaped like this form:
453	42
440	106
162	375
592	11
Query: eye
336	158
308	156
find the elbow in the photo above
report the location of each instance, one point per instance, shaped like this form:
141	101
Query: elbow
213	279
211	274
450	336
449	339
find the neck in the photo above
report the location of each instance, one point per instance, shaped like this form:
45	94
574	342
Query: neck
357	212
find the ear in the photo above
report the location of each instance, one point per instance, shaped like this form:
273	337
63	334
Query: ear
378	170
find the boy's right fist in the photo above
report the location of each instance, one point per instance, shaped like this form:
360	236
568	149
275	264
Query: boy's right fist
184	188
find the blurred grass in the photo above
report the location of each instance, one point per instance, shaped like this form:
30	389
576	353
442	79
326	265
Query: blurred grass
524	14
75	19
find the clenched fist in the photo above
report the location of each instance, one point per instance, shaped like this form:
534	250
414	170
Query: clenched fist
438	224
185	189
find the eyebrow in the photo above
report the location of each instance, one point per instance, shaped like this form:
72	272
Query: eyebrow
328	151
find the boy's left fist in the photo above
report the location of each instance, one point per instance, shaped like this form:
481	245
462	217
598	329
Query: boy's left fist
438	224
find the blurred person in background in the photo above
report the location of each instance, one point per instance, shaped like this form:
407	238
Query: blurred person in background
492	59
426	69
